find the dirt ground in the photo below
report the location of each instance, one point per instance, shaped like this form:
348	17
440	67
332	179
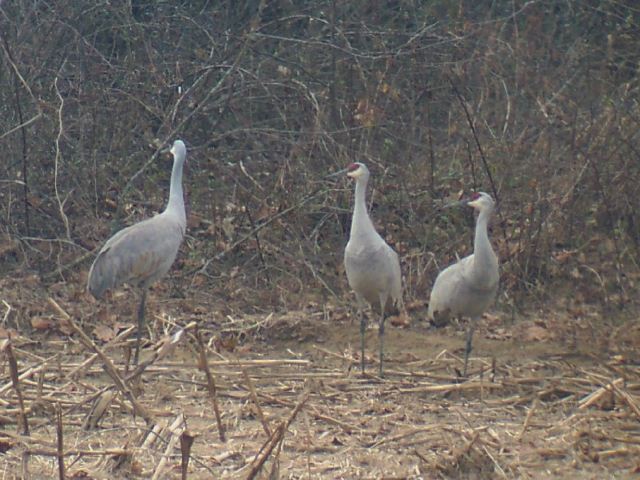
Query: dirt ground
548	396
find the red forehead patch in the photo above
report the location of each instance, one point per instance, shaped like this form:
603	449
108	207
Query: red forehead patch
475	196
353	167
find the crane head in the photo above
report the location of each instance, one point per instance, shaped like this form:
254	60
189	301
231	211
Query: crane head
480	201
354	170
357	170
178	149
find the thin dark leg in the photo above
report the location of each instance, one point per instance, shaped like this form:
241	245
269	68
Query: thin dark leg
467	350
381	336
363	328
143	299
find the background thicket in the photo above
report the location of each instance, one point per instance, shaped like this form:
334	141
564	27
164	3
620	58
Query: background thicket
535	102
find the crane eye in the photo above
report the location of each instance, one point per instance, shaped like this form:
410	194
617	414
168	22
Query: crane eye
353	167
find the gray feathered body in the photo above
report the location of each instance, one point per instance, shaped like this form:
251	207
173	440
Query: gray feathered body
138	255
143	253
457	293
371	265
373	271
468	287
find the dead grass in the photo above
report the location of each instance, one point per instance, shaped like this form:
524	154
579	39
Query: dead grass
294	405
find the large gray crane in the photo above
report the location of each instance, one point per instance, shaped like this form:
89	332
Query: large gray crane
372	266
468	287
143	253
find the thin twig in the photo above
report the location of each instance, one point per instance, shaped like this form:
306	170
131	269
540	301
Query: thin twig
161	349
472	127
255	230
107	363
258	245
13	368
60	442
178	425
211	384
527	419
265	451
174	131
186	441
89	361
254	397
275	439
57	159
485	164
596	395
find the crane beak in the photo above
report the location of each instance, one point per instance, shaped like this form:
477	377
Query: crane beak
335	174
459	203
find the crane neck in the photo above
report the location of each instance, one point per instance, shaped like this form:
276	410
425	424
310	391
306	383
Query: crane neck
482	249
361	223
176	199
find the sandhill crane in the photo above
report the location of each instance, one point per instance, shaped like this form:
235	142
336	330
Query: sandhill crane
468	287
142	253
372	266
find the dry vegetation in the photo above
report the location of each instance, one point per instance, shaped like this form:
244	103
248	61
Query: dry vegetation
292	403
535	102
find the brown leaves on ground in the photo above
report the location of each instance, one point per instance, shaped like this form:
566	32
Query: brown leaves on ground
401	321
104	333
43	323
536	333
8	246
8	333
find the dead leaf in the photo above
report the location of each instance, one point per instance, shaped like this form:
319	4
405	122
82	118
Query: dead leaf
491	320
8	245
365	113
563	256
228	343
30	281
104	333
400	321
246	348
265	211
8	333
42	323
34	201
81	474
228	227
499	334
65	326
5	445
415	305
194	221
190	307
339	316
283	71
536	333
110	203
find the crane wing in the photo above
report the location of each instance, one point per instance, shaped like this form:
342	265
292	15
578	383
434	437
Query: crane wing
139	254
446	290
374	271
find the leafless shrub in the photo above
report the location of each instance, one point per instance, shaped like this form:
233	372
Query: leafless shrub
434	96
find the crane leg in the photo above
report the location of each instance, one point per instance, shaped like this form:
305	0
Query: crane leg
363	329
381	335
467	350
143	299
